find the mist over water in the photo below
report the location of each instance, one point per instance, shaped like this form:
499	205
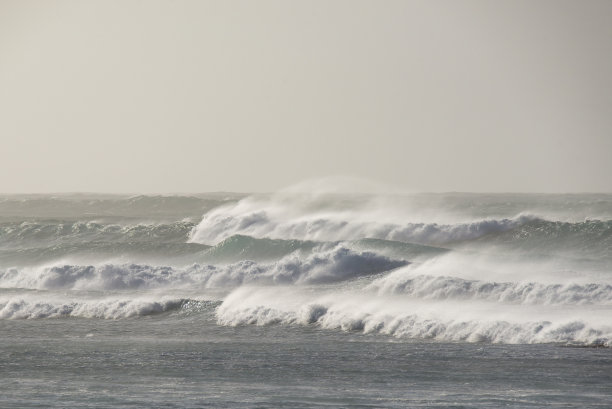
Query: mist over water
473	269
402	257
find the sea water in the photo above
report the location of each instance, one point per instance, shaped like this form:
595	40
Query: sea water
306	299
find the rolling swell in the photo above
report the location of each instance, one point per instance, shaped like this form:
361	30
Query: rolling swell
240	247
39	234
100	251
35	242
590	237
82	206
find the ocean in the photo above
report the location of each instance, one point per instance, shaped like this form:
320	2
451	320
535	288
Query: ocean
302	299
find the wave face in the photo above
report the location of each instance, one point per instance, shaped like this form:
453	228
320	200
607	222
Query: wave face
449	267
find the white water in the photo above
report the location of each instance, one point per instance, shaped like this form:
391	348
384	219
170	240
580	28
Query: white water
401	316
144	302
503	276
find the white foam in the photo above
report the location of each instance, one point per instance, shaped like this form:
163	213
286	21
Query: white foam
447	320
469	276
325	265
313	217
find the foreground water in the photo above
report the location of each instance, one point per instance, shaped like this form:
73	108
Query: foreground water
183	360
306	300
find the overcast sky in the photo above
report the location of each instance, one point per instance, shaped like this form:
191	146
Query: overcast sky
195	96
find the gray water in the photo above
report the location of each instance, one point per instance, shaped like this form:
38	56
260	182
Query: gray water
293	300
187	361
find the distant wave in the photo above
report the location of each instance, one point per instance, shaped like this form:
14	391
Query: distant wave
92	252
474	268
459	222
222	223
82	206
240	247
47	233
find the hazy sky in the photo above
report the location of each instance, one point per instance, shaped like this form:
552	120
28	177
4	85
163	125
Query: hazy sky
180	96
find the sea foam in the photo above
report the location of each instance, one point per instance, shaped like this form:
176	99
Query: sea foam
274	218
448	320
328	265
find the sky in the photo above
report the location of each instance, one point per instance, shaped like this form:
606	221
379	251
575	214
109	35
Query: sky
137	96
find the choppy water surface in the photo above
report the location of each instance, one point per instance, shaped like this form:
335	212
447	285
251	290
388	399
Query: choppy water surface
300	299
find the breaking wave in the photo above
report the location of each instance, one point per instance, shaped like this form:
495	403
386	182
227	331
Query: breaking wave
403	317
331	265
218	225
350	218
451	267
441	288
104	308
239	247
39	234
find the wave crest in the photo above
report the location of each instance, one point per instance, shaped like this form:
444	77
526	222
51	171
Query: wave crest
224	222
